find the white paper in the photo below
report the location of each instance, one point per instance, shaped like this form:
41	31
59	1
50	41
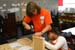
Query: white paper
15	45
72	30
25	48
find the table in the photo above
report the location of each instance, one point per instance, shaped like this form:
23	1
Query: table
20	44
25	44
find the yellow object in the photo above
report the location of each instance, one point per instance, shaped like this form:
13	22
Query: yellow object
38	43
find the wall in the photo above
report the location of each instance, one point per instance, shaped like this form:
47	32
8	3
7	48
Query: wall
48	4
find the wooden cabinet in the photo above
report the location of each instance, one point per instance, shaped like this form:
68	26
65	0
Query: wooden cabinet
68	20
10	25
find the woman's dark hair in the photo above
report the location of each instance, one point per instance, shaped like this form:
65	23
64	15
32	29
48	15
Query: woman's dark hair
31	6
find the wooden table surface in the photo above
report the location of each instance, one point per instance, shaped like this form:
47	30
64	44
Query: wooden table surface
23	42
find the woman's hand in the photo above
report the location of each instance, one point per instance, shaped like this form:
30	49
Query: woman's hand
38	34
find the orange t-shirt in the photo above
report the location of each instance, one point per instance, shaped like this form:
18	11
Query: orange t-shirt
40	21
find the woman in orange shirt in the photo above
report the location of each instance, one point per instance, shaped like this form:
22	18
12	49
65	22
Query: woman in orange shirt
40	17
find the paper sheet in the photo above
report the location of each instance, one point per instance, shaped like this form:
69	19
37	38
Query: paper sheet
25	48
72	30
15	45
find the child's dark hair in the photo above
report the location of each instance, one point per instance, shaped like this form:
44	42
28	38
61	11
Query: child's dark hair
55	31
